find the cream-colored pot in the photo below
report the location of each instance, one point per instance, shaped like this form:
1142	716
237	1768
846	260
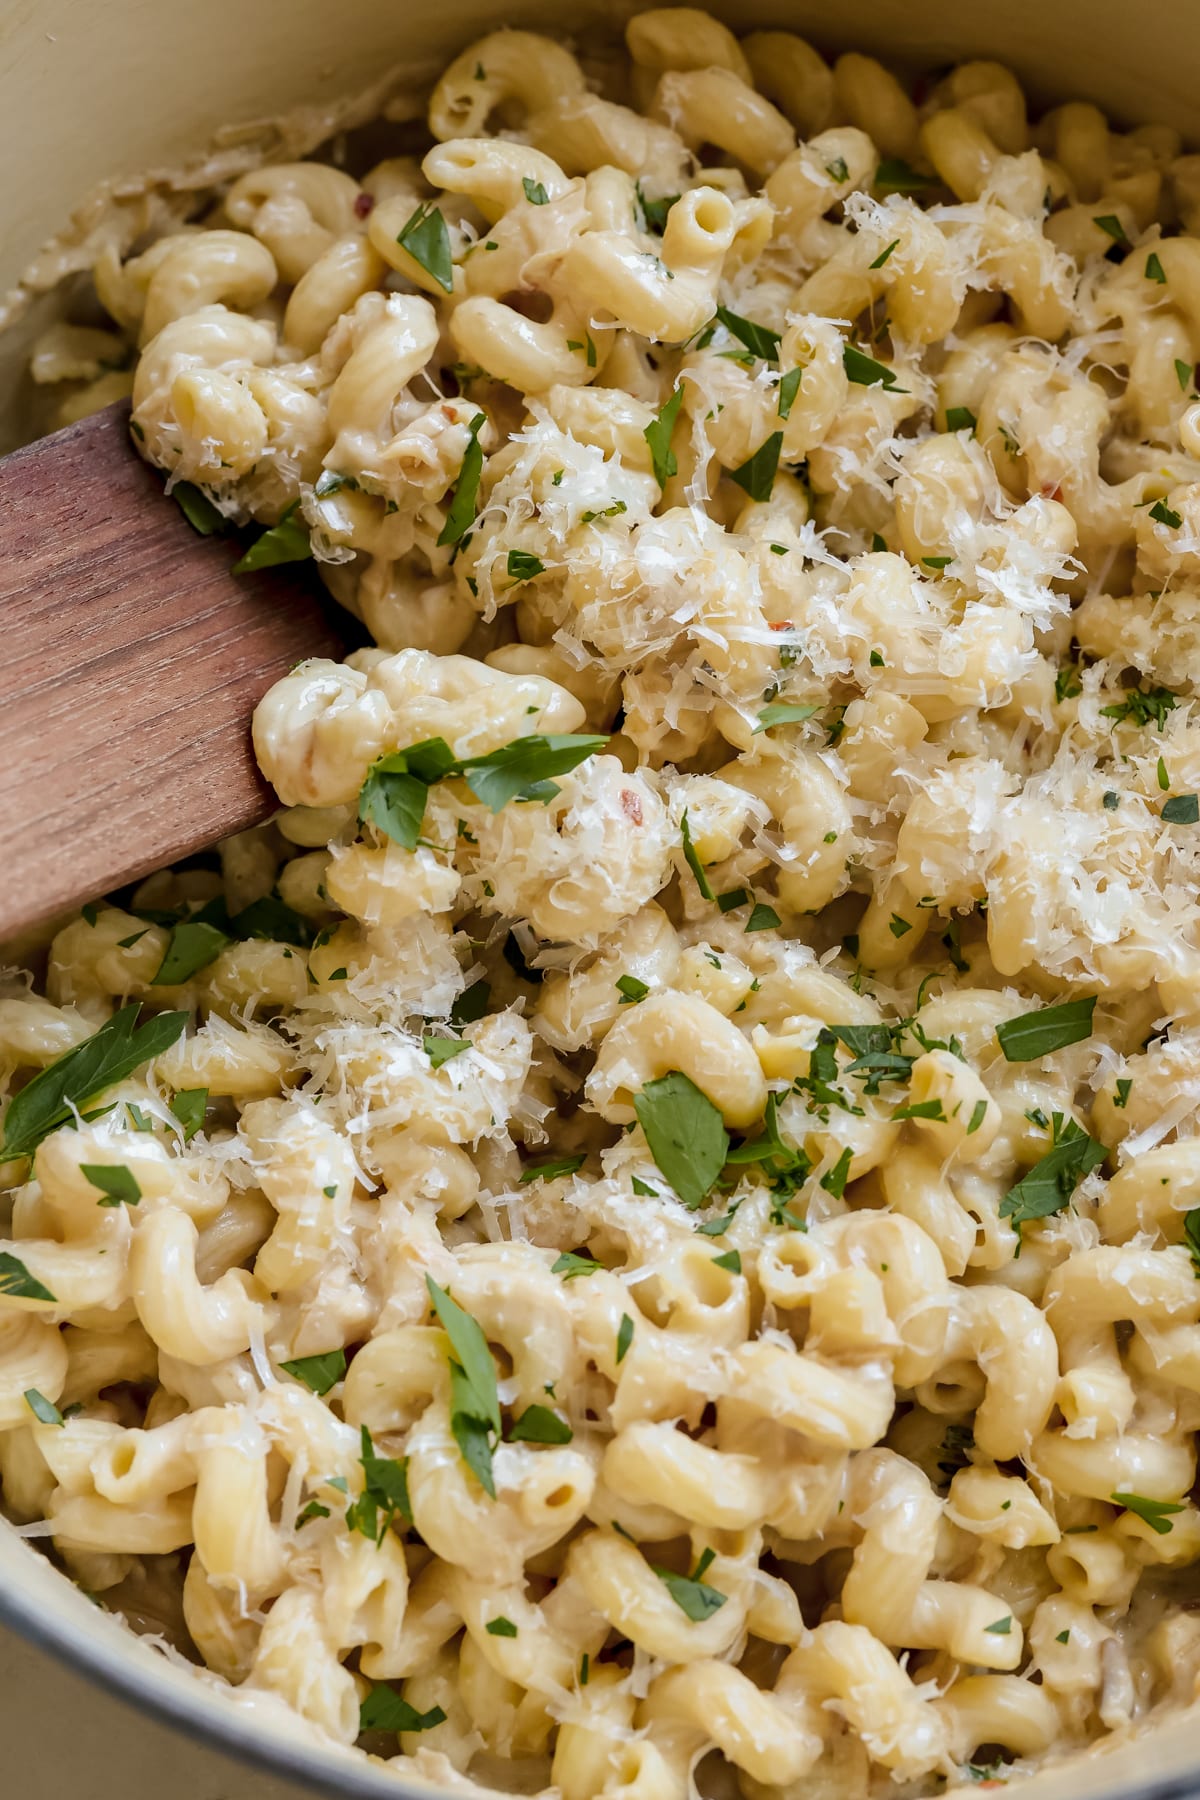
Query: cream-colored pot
98	88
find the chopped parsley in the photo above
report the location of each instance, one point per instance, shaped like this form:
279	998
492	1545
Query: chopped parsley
1035	1034
691	1593
79	1076
394	794
1154	1513
320	1373
427	241
117	1185
1048	1186
756	477
658	438
474	1402
686	1134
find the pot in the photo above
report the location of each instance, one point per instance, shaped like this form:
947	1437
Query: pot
129	87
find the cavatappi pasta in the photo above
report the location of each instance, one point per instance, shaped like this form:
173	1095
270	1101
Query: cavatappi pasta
647	1225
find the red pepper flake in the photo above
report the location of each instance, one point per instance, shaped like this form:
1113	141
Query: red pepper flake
631	805
781	625
364	203
1048	493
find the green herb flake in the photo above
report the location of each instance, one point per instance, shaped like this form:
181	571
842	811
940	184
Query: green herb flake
691	856
837	169
643	1188
384	1710
501	1627
654	212
197	508
313	1510
43	1410
789	387
937	562
731	1260
1154	1513
286	542
81	1075
115	1182
1048	1186
461	514
624	1337
781	713
762	918
1124	1088
384	1497
1184	371
319	1373
441	1050
1154	270
1112	227
631	989
427	241
1035	1034
1181	809
691	1594
540	1425
546	1171
756	477
571	1266
1164	515
523	567
977	1117
686	1134
474	1402
1191	1237
898	926
895	176
192	946
864	371
471	1004
760	340
1000	1627
960	418
16	1283
834	1180
884	254
535	193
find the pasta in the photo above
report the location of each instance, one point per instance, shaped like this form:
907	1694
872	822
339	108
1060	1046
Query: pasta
645	1230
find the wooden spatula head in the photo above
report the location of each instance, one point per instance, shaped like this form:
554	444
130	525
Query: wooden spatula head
133	661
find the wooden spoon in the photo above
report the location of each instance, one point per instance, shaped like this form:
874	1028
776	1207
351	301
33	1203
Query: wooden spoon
132	663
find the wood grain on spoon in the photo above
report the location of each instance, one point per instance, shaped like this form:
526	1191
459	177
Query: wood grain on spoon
131	661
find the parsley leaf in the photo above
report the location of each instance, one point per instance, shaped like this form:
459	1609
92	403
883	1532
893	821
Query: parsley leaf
384	1710
546	1171
1141	706
1154	269
197	508
895	176
685	1132
570	1265
474	1402
624	1337
865	371
1162	514
516	769
631	989
535	193
384	1497
760	340
540	1425
42	1409
780	713
1051	1028
691	1594
116	1183
658	437
320	1373
789	387
442	1050
394	794
82	1074
692	858
1154	1513
500	1627
427	241
1181	809
286	542
192	945
16	1283
756	477
655	211
1051	1181
461	514
523	567
960	418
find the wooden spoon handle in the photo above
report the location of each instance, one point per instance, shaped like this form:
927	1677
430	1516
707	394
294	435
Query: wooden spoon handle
132	664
